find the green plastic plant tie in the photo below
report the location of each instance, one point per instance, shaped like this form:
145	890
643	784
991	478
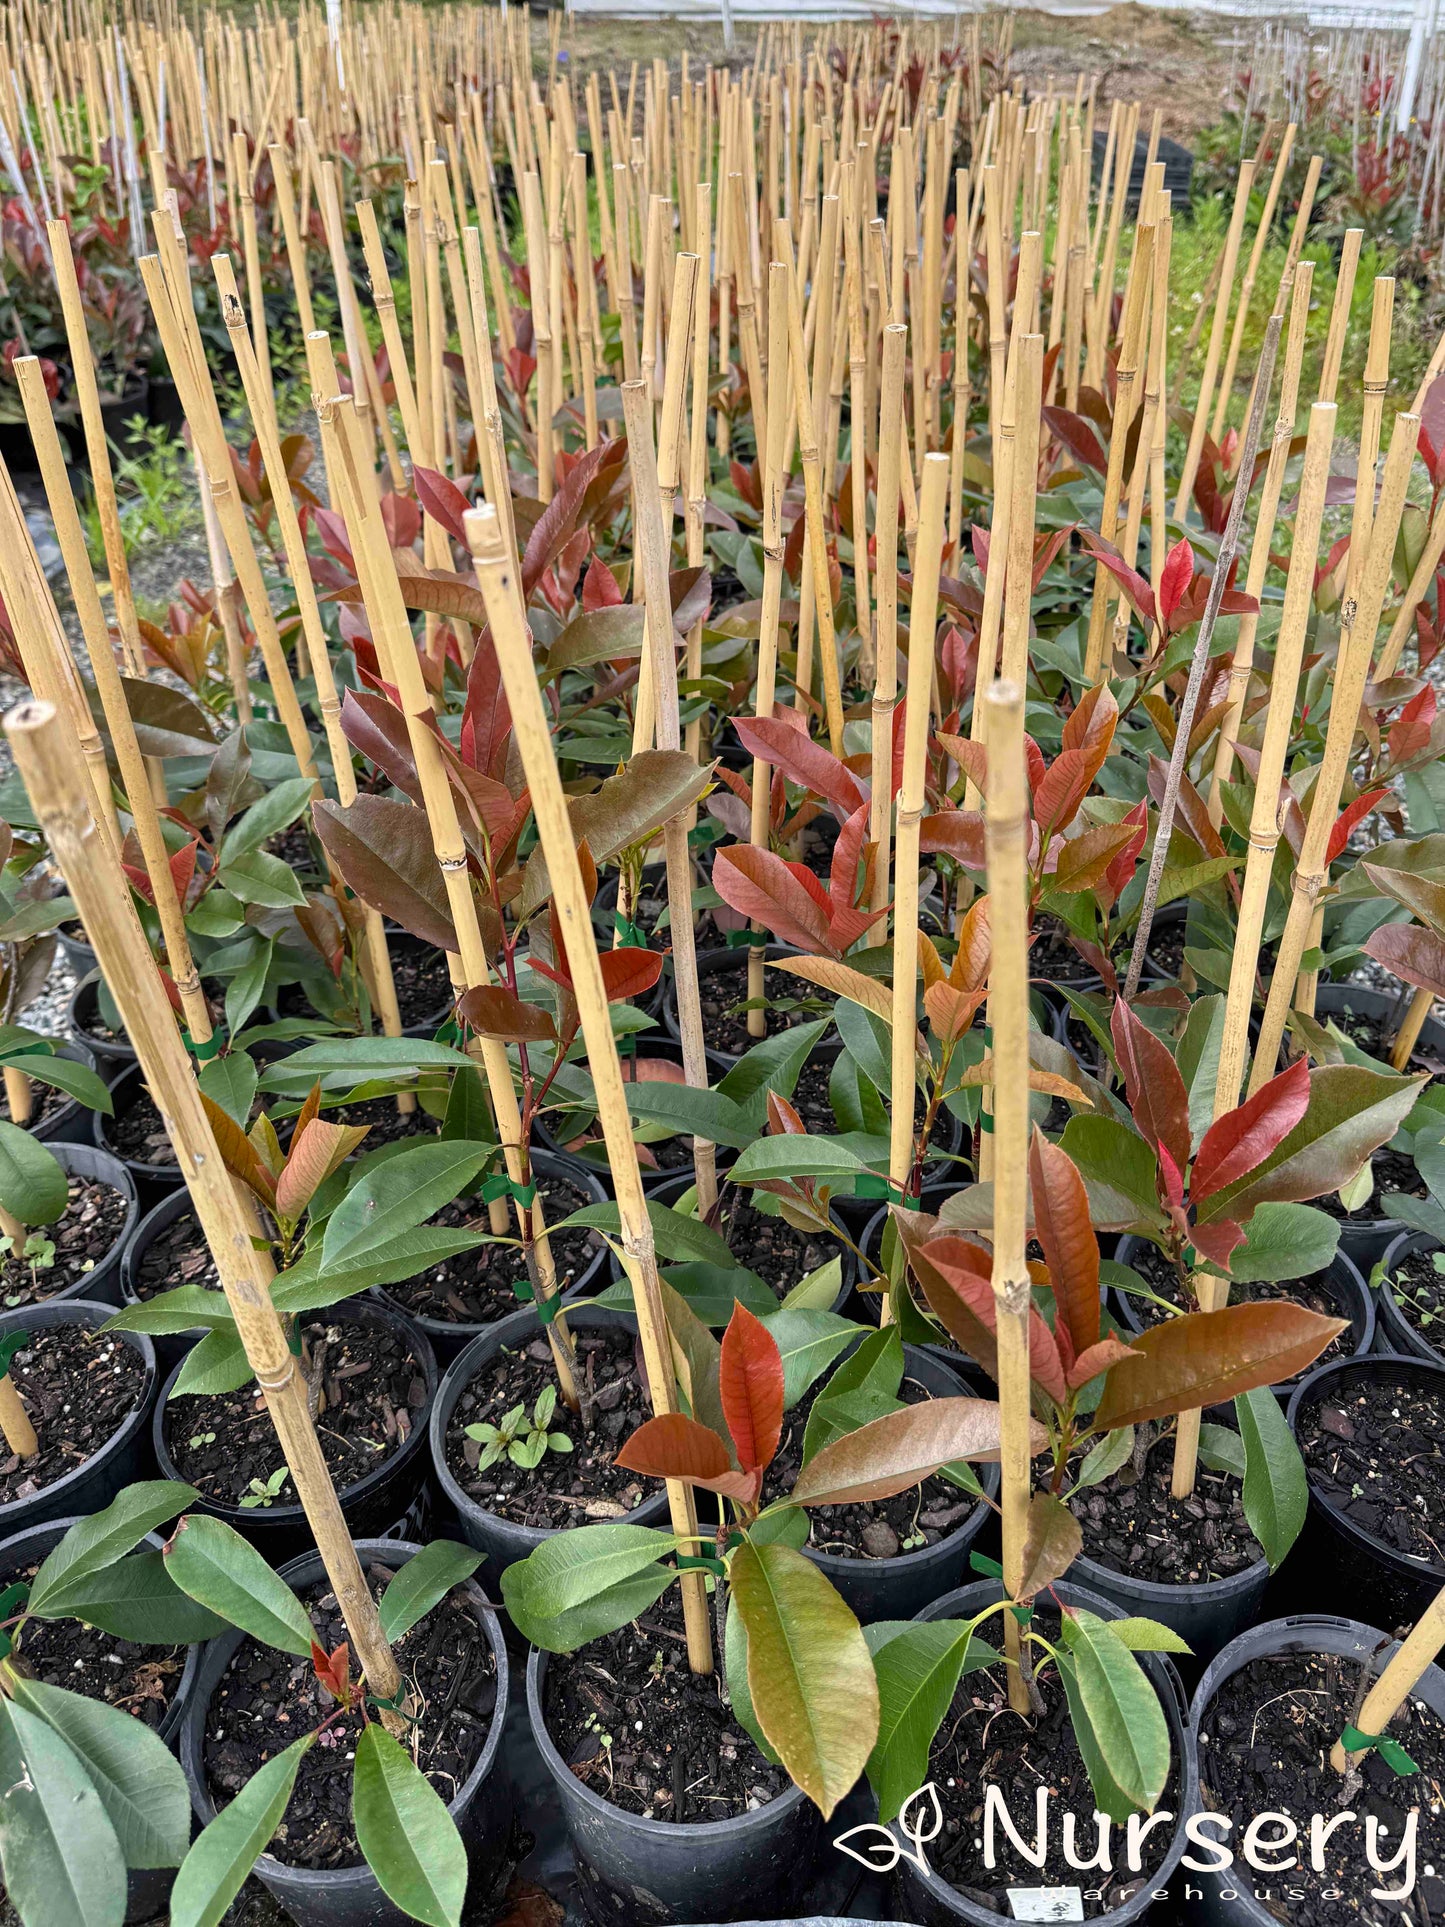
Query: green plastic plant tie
11	1343
632	935
499	1185
990	1568
701	1562
393	1705
449	1033
1390	1751
745	939
203	1052
1023	1614
293	1337
871	1184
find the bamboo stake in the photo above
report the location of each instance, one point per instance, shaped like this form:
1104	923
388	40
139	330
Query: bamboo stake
1216	339
1400	1677
133	775
1007	832
1127	374
1360	618
912	802
1264	833
1242	663
773	478
885	683
48	765
1246	287
496	574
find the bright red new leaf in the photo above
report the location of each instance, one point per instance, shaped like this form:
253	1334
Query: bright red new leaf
1242	1139
750	1385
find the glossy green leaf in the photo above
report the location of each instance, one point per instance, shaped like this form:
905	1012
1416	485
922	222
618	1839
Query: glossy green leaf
33	1188
398	1196
230	1081
735	1662
215	1869
598	1614
1147	1636
569	1566
217	1364
403	1828
245	990
1276	1492
426	1579
1109	1797
810	1673
277	810
676	1235
1122	1708
136	1599
819	1290
808	1341
264	880
138	1778
1284	1241
918	1672
1104	1460
105	1536
216	1566
61	1859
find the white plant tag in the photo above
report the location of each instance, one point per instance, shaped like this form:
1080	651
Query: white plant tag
1047	1903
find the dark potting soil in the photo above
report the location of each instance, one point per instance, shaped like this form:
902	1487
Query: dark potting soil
780	1255
883	1528
725	1026
61	1652
1053	958
137	1134
1376	1036
78	1388
267	1699
1135	1525
566	1488
477	1287
179	1255
374	1395
44	1101
811	1101
1264	1746
293	846
1165	949
1317	1293
1393	1171
980	1743
1374	1450
386	1121
82	1235
1419	1293
646	1734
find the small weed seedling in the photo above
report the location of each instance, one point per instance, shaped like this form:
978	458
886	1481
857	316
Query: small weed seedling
526	1442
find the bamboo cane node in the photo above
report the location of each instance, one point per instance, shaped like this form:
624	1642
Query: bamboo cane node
1309	887
1375	387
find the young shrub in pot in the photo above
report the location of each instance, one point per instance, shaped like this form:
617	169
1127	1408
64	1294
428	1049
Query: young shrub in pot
410	1858
56	1244
1099	1396
98	1804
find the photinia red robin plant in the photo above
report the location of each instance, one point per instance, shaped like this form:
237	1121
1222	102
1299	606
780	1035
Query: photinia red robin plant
797	1666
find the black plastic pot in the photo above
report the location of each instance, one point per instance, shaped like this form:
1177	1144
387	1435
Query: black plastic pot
113	1055
66	1119
152	1181
647	1044
148	1889
126	1454
1172	916
902	1587
933	1901
637	1872
446	1336
1353	1300
1368	1241
171	1347
102	1283
1394	1590
1303	1633
371	1505
350	1896
164	404
1396	1333
503	1542
78	953
669	1189
711	961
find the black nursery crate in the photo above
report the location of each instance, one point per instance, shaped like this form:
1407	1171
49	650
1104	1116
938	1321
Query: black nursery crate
1178	167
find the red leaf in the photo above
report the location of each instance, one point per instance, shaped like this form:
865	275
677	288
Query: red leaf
1071	1251
1077	436
554	526
183	868
677	1447
979	539
333	1670
1410	734
1087	736
1140	595
1120	872
629	972
486	718
1176	576
1414	954
1098	1358
955	833
802	761
843	872
783	1120
1156	1093
442	500
599	587
750	1385
1046	1368
786	898
1242	1139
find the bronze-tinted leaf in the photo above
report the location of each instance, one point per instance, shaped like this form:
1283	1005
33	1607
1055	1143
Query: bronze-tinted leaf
1053	1540
494	1011
383	849
892	1453
1206	1357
